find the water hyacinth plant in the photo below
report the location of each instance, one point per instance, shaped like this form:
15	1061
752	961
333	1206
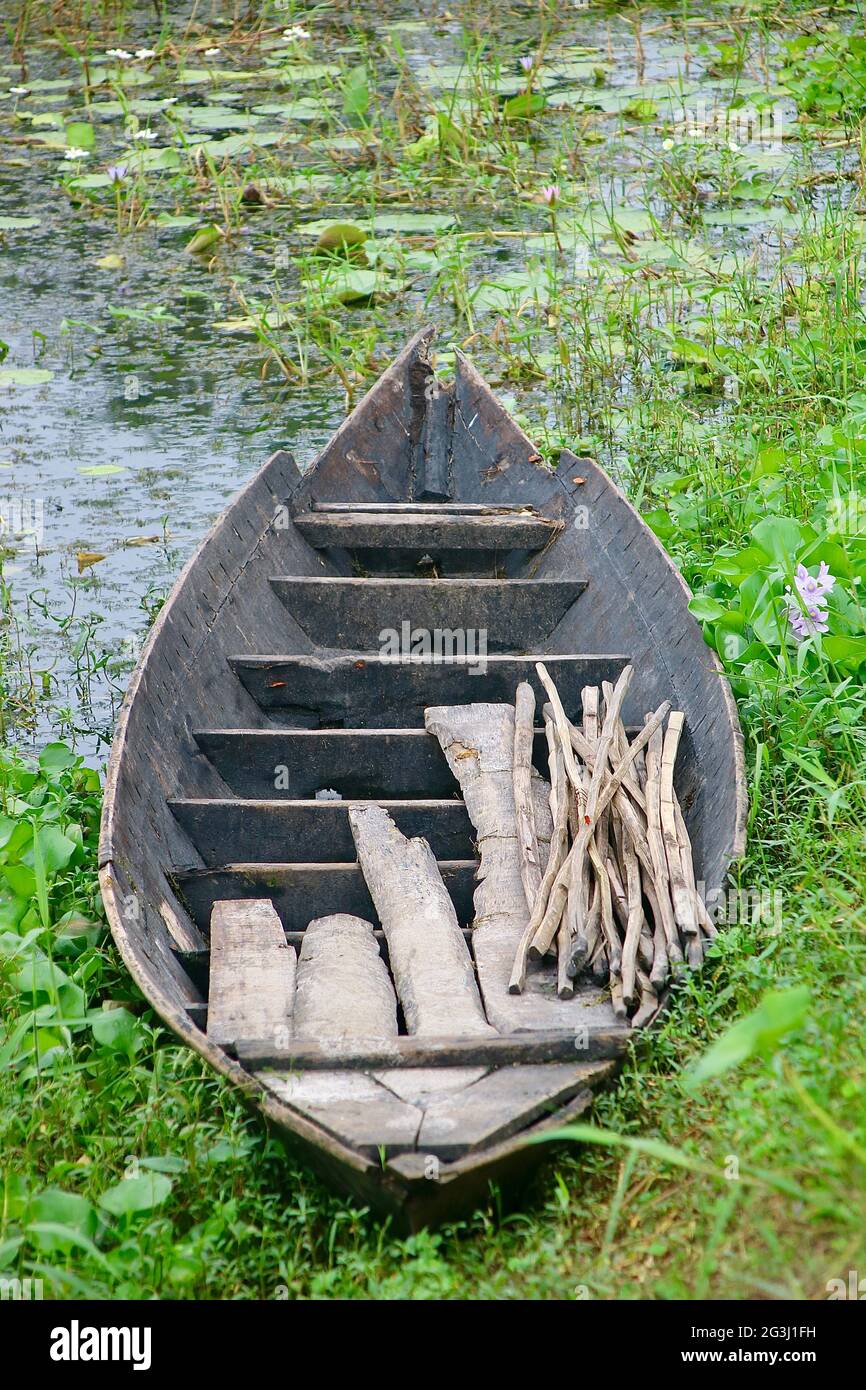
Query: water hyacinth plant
807	610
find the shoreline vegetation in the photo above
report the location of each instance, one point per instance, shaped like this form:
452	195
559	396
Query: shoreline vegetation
648	230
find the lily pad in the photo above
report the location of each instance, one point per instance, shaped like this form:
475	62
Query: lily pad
16	224
24	376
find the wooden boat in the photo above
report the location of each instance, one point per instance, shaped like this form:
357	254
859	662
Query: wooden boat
263	683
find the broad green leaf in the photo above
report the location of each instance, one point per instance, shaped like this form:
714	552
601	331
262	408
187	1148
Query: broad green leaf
118	1030
780	1012
55	849
706	609
133	1196
56	758
356	92
80	135
780	537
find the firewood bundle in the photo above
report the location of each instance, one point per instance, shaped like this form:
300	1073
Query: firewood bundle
617	899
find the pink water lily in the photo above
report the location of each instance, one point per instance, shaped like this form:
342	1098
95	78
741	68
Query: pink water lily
527	62
550	194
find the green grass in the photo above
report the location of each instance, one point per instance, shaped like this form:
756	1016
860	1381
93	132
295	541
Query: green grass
128	1168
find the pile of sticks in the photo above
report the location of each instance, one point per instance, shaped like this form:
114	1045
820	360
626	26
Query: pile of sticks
617	899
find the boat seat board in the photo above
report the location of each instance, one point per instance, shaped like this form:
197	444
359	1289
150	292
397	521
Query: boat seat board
358	763
364	688
581	1042
252	972
514	614
426	532
229	829
300	892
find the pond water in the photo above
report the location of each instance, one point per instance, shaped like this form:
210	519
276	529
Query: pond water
163	377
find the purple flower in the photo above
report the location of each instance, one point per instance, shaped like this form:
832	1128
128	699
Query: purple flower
550	194
116	172
807	609
527	62
811	589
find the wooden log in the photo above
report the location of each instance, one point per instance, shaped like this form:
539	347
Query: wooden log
343	986
524	807
430	961
252	973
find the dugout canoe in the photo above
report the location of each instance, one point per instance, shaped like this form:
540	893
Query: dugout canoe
264	683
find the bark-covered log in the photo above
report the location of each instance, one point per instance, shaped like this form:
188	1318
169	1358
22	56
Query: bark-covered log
430	961
343	986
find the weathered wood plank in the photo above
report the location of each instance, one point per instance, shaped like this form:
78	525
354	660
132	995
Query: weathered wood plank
365	688
513	614
429	959
422	1086
232	830
427	532
354	1108
503	1102
585	1042
302	891
294	764
252	973
343	987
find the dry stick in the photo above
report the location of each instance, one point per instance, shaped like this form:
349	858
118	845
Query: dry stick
558	850
546	930
708	926
649	1002
572	944
657	846
575	911
562	728
684	908
634	827
635	922
625	846
587	898
527	836
616	996
632	781
591	935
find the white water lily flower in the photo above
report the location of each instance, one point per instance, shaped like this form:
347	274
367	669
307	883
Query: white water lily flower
118	53
296	32
20	91
211	52
667	144
145	53
144	135
169	101
75	153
